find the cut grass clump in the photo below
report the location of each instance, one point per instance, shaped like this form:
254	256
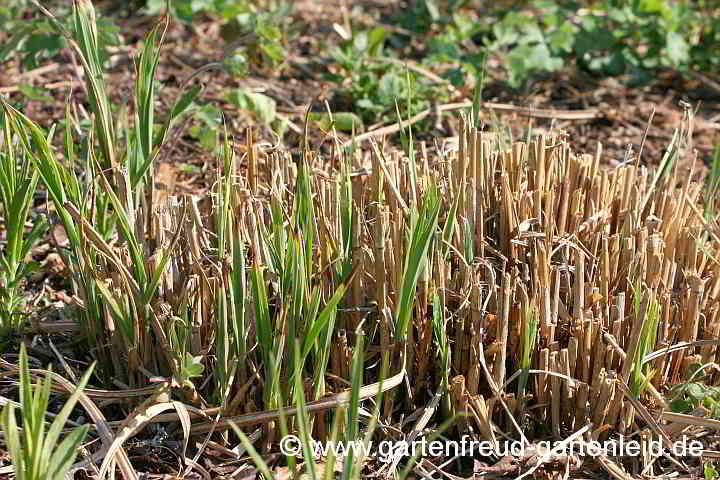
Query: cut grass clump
442	278
18	182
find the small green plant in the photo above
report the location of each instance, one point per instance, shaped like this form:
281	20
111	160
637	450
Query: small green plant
35	38
371	81
687	396
606	37
352	463
18	181
641	374
117	195
34	451
636	37
260	35
208	119
528	45
710	472
529	334
261	106
255	32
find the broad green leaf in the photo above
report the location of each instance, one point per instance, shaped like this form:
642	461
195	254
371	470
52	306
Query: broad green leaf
37	93
273	50
710	472
237	65
681	406
376	40
257	103
343	121
678	50
192	366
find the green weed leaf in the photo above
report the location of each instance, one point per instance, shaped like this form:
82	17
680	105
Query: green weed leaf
36	93
678	49
192	366
257	103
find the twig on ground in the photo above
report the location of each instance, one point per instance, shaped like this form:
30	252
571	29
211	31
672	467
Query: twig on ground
587	114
